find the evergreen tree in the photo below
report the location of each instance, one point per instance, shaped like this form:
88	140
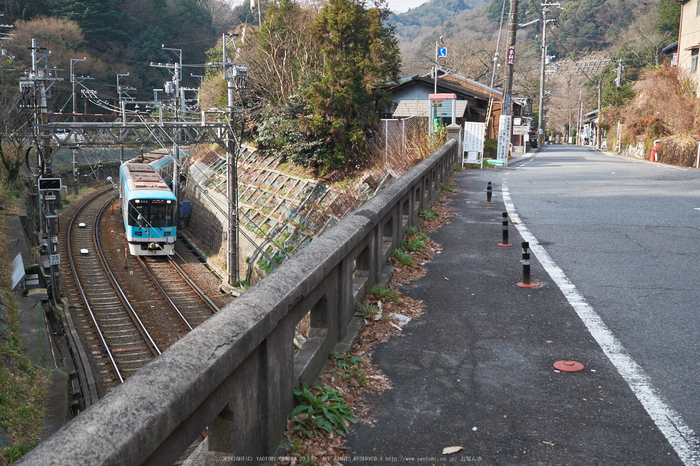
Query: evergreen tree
100	20
669	19
359	50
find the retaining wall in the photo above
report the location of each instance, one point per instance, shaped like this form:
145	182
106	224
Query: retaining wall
236	372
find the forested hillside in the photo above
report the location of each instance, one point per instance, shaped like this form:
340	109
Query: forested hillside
116	36
580	27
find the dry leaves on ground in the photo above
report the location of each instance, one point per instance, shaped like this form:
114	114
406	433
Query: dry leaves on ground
360	386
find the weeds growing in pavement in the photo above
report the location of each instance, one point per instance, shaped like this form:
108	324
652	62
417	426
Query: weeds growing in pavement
380	291
429	214
403	257
414	244
321	409
349	367
368	311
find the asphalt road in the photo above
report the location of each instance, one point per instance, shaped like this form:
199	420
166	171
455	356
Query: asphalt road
627	234
613	243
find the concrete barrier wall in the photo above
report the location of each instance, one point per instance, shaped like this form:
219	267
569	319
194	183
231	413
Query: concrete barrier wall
236	372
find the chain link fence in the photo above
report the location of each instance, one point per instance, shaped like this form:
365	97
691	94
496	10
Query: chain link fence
401	141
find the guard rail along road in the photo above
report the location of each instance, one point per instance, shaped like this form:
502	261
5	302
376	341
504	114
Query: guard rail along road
236	372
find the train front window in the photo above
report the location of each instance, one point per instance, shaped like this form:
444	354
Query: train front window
152	213
162	213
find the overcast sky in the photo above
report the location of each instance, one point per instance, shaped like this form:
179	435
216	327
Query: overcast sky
400	6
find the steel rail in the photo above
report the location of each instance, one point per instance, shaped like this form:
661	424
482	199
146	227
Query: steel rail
120	293
195	287
162	292
80	286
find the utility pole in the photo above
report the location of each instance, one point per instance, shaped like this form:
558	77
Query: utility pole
35	92
505	128
510	56
177	78
122	109
580	119
179	103
438	53
236	78
597	126
199	89
540	113
75	110
620	69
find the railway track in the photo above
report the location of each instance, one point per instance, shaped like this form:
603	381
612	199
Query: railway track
118	343
186	298
126	309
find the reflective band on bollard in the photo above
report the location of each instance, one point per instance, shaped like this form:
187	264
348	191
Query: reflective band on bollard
526	267
489	192
505	242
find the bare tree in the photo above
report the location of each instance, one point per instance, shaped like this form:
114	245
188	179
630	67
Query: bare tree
282	52
13	142
223	16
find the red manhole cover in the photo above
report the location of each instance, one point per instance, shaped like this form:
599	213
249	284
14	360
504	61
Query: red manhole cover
568	366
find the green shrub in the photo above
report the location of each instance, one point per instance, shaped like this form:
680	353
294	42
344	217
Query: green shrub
403	257
325	412
414	244
368	311
349	367
382	292
429	214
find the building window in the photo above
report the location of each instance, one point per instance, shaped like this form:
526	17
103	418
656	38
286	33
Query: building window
697	9
694	60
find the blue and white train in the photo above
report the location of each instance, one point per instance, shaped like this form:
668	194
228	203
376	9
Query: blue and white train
149	209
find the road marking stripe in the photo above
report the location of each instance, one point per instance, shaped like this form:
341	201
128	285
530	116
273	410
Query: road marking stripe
681	437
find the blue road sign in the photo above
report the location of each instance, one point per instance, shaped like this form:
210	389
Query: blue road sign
442	52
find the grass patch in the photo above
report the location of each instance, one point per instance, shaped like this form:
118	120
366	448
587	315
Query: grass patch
349	368
22	394
321	410
429	214
414	244
368	311
403	257
380	291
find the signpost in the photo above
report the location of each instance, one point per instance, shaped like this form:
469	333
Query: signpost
437	108
521	130
503	139
473	143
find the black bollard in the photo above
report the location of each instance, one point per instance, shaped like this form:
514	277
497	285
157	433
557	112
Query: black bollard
489	192
526	263
526	267
505	242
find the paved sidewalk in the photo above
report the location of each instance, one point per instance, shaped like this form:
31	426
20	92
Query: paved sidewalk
476	370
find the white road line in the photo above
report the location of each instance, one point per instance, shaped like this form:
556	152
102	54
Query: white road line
681	437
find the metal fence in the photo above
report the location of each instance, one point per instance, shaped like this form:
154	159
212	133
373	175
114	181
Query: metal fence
402	136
